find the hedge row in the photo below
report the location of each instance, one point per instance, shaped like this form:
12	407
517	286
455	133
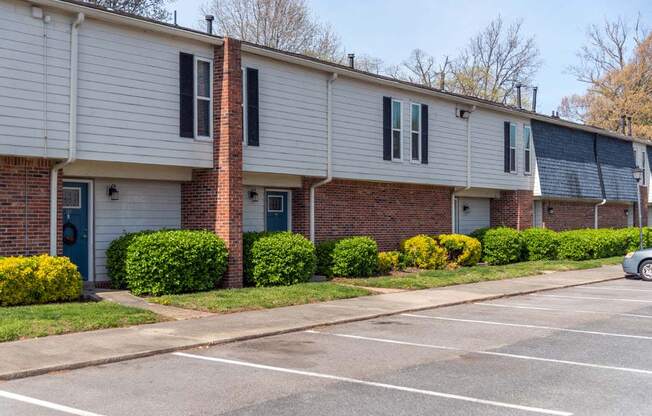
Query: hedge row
505	245
38	279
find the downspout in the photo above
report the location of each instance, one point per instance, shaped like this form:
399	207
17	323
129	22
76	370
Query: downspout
72	132
468	168
595	212
602	189
329	156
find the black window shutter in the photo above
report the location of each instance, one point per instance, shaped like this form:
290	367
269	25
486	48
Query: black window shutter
424	133
507	150
252	107
186	95
387	128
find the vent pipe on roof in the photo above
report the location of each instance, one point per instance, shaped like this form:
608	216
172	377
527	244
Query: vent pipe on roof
629	125
175	17
534	99
351	57
518	95
623	123
209	23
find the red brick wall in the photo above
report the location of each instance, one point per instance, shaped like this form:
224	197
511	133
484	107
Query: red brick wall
571	215
213	199
513	209
24	206
388	212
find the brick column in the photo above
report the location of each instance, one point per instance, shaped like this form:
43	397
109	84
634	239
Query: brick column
513	209
212	200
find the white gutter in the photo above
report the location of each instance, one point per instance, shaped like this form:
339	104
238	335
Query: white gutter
329	156
595	212
468	168
141	23
72	132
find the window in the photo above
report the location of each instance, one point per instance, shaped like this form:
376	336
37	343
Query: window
415	129
203	119
71	198
397	135
274	203
527	146
512	148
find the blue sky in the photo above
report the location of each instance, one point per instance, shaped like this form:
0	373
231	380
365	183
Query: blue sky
391	29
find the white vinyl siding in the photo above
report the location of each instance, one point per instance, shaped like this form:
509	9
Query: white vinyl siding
128	90
143	205
476	215
293	132
253	218
415	132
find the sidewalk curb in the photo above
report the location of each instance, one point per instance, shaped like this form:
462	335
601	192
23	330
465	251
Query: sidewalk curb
159	351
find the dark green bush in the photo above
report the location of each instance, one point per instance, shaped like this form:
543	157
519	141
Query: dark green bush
355	257
170	262
116	258
248	240
502	245
479	234
282	259
539	244
324	251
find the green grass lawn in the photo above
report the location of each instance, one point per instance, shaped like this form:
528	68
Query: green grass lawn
235	300
439	278
18	322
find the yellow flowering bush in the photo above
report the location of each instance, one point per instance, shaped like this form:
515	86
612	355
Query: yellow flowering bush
462	249
38	279
422	251
390	261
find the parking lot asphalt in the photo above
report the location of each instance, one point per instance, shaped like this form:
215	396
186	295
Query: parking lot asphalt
583	350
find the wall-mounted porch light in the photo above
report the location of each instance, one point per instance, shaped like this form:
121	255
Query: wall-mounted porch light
253	195
551	210
626	211
113	192
466	208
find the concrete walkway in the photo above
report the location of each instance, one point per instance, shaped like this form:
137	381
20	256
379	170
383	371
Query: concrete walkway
125	298
37	356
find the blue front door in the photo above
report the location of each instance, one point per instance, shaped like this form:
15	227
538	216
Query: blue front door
277	210
75	224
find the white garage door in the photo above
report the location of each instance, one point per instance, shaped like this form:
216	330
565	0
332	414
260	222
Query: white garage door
472	213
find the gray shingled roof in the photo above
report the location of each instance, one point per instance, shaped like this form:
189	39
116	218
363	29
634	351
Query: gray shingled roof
616	159
566	162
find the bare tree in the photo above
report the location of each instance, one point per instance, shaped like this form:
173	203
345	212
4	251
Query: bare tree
280	24
495	60
153	9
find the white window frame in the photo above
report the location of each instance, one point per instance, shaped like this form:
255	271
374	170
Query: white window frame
527	150
400	130
515	148
210	98
418	131
644	167
269	196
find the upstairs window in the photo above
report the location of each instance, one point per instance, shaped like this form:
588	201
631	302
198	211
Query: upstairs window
397	136
527	148
512	148
203	99
415	132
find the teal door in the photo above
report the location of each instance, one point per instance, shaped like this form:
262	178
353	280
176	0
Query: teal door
277	211
75	224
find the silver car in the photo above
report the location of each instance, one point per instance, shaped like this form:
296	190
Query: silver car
639	263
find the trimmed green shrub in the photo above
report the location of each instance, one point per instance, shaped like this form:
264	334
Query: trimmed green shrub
248	240
390	261
355	257
282	259
171	262
116	258
462	249
596	244
539	244
502	245
422	251
324	251
479	234
38	279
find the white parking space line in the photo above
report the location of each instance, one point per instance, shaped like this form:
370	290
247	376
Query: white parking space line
549	328
592	298
628	289
375	384
43	403
540	308
492	353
